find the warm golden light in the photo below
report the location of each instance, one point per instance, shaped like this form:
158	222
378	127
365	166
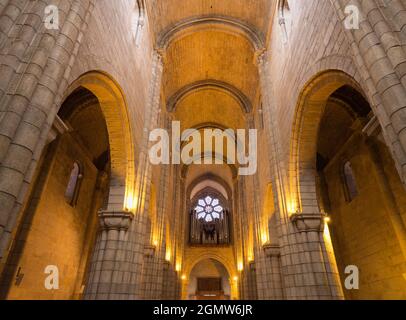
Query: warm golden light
264	237
240	266
327	219
326	233
235	278
183	277
168	255
130	203
292	207
178	266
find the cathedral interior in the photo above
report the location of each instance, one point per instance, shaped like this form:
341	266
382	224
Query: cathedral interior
85	214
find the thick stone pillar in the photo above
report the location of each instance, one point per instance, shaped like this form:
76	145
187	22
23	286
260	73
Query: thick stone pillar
169	285
107	266
306	273
28	110
273	272
318	277
118	258
248	281
155	253
381	58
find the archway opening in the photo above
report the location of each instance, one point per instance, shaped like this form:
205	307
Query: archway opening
355	177
59	222
209	280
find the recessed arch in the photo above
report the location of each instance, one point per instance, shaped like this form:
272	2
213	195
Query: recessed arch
303	154
234	92
222	258
233	168
229	265
192	191
114	108
210	126
226	24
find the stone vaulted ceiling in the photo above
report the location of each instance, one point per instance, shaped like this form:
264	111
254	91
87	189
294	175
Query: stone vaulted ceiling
209	47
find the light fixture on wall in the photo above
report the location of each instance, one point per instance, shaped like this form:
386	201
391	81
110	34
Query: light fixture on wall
292	207
240	266
178	267
264	237
131	201
168	255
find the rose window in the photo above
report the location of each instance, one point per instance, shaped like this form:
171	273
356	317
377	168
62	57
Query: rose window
208	209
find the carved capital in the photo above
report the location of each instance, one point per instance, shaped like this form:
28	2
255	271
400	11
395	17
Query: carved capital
149	251
272	250
167	265
309	222
115	220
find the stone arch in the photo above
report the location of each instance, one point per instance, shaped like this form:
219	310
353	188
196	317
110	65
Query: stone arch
194	260
309	111
114	108
209	176
184	168
224	23
191	263
221	86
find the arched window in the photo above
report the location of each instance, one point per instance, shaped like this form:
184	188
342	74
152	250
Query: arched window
283	19
209	221
350	183
72	189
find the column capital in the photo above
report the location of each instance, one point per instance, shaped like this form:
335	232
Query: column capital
112	220
149	251
309	222
272	250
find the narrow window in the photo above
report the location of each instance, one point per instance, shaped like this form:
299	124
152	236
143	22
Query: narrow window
72	189
350	182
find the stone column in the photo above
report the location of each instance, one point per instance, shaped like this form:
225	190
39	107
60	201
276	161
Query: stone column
273	272
249	289
305	271
314	277
156	267
104	282
381	58
29	107
116	271
139	238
